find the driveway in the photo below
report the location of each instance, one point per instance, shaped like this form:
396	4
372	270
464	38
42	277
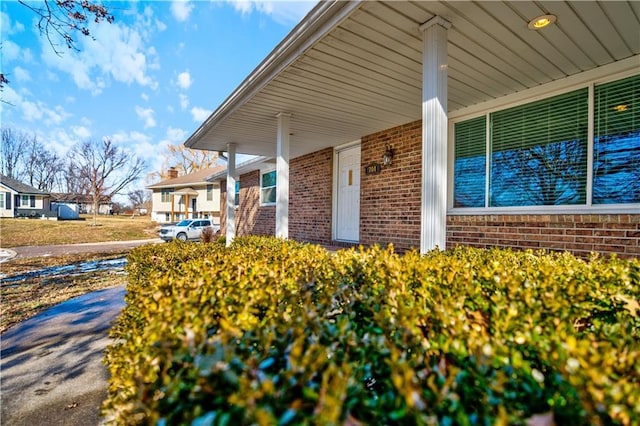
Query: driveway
51	364
40	251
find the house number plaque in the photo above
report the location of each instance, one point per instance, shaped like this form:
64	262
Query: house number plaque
373	169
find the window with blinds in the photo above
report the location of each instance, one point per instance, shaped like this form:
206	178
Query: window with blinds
538	152
616	145
470	162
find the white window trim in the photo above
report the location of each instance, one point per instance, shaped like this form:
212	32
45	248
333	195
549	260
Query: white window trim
262	172
599	76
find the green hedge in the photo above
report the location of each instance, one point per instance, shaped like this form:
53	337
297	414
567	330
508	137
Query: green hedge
274	332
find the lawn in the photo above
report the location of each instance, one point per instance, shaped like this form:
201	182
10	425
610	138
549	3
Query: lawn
36	232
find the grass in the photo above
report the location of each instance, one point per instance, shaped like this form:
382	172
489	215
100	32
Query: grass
35	232
24	299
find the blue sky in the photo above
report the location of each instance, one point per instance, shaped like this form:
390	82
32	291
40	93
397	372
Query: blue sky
147	80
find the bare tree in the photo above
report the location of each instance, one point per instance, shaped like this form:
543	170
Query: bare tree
102	170
42	166
67	18
139	198
185	160
12	154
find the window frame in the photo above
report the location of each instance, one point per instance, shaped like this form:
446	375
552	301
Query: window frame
165	192
274	186
209	191
527	97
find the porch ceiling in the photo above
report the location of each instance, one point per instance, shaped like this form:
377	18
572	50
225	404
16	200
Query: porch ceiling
350	69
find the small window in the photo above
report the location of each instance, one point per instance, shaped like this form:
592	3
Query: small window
24	200
32	200
209	192
167	217
237	199
268	187
166	195
2	195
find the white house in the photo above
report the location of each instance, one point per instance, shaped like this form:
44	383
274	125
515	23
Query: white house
188	196
21	200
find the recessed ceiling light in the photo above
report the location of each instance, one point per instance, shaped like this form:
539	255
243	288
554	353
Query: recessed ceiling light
621	108
541	22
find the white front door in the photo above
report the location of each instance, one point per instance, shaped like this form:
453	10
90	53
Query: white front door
348	194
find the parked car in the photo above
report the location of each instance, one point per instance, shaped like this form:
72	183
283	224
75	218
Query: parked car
188	229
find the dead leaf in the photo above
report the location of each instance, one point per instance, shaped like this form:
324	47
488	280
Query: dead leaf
630	304
545	419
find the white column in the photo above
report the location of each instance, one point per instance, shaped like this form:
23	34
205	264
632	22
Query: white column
433	221
282	176
231	193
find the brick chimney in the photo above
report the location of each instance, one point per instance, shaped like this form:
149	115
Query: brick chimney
172	172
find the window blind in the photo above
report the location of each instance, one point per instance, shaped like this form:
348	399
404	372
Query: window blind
470	162
616	147
539	152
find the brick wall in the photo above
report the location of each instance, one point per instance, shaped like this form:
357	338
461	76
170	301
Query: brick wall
390	200
251	218
310	202
577	233
390	208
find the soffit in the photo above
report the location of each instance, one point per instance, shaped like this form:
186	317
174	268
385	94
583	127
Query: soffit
364	74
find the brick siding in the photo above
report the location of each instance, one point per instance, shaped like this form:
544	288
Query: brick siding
390	201
310	201
390	208
251	218
580	234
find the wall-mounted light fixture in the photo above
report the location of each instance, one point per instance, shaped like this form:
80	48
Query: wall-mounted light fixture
387	156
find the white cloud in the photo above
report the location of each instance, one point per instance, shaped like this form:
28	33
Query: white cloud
116	52
6	24
146	114
81	131
181	10
21	75
144	96
199	114
10	51
184	80
282	11
176	135
184	101
39	111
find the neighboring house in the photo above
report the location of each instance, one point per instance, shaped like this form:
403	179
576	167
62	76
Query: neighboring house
21	200
186	197
81	204
436	124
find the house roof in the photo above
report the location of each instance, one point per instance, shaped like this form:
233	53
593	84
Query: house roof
65	197
199	177
350	69
19	187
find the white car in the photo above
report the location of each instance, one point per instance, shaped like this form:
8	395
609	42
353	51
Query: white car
188	229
